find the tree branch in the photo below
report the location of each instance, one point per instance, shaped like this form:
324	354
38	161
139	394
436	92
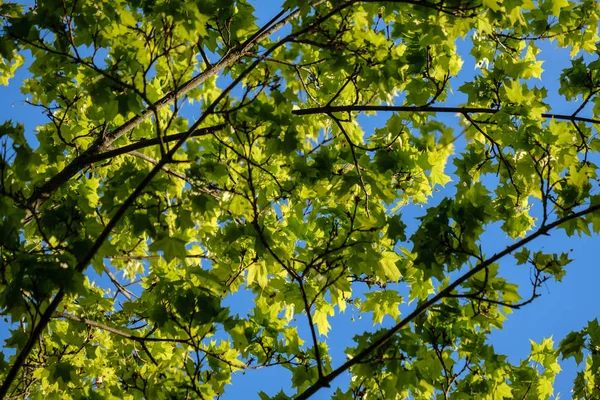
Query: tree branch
44	191
84	261
142	339
355	159
116	331
152	161
432	109
117	151
123	290
321	383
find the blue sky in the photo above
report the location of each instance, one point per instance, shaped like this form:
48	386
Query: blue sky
563	307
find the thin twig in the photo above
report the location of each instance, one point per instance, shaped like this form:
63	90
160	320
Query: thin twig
127	293
355	159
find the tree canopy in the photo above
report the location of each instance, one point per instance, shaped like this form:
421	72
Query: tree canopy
191	153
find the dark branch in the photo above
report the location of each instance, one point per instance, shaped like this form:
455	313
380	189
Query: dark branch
69	172
432	109
117	151
324	382
43	192
116	331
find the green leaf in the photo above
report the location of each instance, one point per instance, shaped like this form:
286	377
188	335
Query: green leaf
514	92
171	247
320	318
387	263
258	273
502	391
63	372
522	256
572	346
382	303
557	5
396	228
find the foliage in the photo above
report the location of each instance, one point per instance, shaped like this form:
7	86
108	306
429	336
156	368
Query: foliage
202	155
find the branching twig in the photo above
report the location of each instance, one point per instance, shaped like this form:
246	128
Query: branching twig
44	191
381	340
127	293
355	159
69	172
432	109
118	332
